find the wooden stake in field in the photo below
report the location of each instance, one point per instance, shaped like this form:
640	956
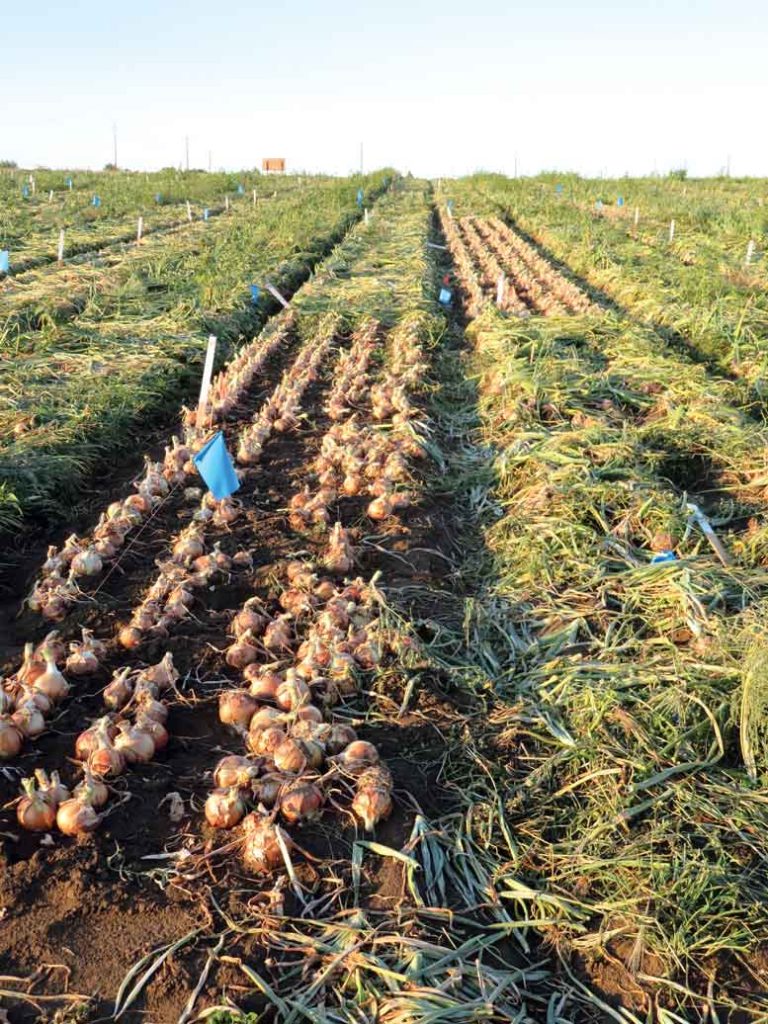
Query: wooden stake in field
189	210
226	202
500	288
750	252
365	215
32	183
50	196
205	386
672	230
637	215
60	251
254	197
139	229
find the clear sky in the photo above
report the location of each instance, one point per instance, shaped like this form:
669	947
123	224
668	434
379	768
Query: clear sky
435	88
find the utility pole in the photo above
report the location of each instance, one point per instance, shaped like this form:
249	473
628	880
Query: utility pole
186	142
114	145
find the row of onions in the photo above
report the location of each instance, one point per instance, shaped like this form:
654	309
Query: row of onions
357	458
280	412
475	296
65	569
131	732
190	566
297	753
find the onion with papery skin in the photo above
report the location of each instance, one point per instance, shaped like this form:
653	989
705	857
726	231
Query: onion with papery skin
88	740
34	812
289	757
357	756
164	673
32	666
84	657
278	634
130	637
117	694
77	816
28	719
234	770
267	789
293	693
261	849
266	741
242	652
340	737
145	703
156	730
373	800
53	789
237	707
11	739
51	682
301	802
225	808
339	558
87	563
91	789
314	753
251	618
105	759
265	718
264	684
309	713
134	743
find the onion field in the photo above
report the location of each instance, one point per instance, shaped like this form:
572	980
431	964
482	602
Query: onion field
453	707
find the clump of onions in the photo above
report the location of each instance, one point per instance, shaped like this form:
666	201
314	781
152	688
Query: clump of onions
86	563
266	789
11	738
117	694
290	757
262	852
357	756
225	808
237	707
77	816
34	812
234	770
88	740
91	789
301	802
242	652
373	799
134	743
51	682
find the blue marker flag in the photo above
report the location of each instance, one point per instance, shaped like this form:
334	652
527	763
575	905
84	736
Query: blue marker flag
69	183
255	293
205	213
663	556
620	201
215	466
95	201
558	188
25	190
359	197
5	261
240	190
158	197
444	296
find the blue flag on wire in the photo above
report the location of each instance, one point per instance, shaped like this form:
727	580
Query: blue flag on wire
5	261
215	466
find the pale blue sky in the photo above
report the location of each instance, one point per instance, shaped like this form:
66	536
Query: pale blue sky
436	88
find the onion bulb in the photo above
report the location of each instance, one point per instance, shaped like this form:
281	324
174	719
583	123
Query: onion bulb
300	802
237	707
51	682
266	741
92	790
28	719
242	652
261	848
134	743
105	759
84	657
11	739
117	694
357	756
76	816
225	808
267	789
251	617
164	673
293	693
86	562
155	729
339	557
234	770
289	757
341	736
264	683
278	635
34	811
373	800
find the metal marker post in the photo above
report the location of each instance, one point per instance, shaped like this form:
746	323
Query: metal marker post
60	252
205	386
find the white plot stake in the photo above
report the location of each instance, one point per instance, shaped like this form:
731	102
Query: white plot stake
60	251
750	252
366	215
139	229
637	215
32	183
205	387
671	230
273	291
50	196
450	211
254	197
706	528
226	202
500	287
189	210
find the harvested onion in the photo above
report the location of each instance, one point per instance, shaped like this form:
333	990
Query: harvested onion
225	808
34	811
